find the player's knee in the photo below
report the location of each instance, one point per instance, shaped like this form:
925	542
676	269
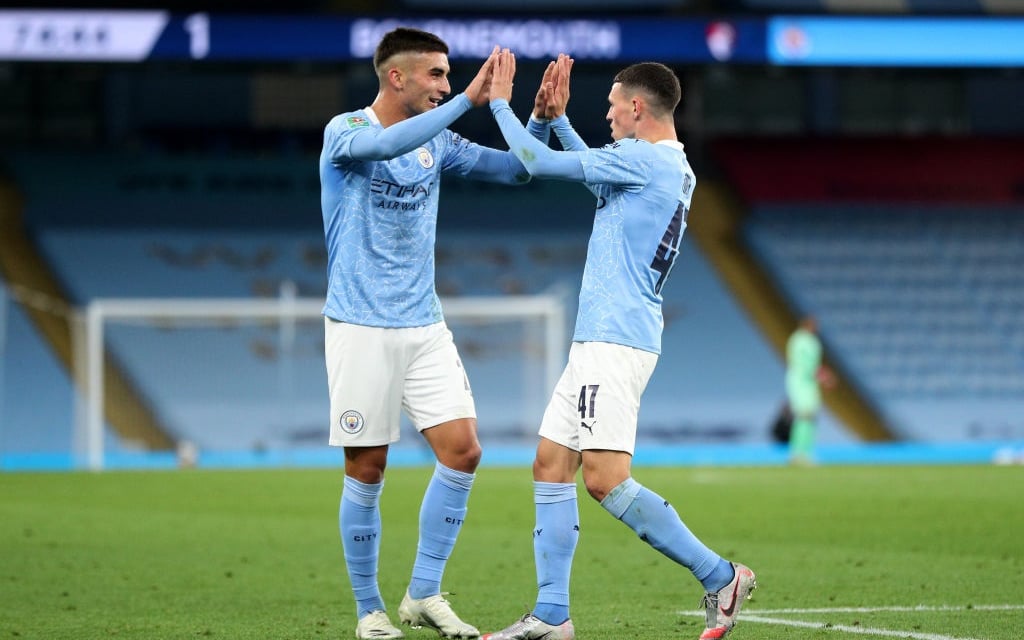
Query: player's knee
367	473
597	486
546	470
471	458
366	464
466	458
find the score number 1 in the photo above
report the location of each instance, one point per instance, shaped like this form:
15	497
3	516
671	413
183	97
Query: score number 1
198	27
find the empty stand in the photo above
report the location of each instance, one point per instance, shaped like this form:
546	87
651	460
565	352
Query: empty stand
922	304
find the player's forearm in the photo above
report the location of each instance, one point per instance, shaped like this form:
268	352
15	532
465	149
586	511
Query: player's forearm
571	141
504	167
501	167
539	129
402	137
538	159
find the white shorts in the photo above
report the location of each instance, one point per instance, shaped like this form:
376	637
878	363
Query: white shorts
374	373
596	401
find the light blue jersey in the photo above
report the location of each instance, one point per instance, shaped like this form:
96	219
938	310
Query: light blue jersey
380	210
643	197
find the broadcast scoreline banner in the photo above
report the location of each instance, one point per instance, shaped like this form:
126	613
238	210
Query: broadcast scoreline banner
136	36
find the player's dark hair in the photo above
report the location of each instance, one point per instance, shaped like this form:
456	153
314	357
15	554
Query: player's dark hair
657	81
404	39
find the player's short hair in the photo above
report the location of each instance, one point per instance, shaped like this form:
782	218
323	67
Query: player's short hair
405	39
656	80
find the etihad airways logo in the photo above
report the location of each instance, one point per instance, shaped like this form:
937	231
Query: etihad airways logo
406	197
395	190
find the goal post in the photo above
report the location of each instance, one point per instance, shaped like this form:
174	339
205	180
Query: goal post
545	311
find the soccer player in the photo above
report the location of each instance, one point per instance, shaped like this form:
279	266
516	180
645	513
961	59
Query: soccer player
387	347
805	375
643	185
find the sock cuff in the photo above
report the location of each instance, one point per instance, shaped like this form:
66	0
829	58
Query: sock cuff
551	492
360	493
454	479
619	498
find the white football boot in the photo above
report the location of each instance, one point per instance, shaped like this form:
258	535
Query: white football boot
377	625
530	627
434	612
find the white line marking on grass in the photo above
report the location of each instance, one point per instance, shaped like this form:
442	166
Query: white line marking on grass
920	607
866	631
759	615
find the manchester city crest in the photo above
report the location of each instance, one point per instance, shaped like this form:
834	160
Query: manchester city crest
423	155
351	421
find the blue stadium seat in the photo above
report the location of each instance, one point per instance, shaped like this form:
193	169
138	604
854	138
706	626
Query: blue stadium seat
922	305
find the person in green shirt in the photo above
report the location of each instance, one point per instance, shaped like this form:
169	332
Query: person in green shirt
805	375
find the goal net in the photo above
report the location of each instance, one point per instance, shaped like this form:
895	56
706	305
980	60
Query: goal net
248	374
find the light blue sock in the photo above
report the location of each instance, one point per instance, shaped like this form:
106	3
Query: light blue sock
554	543
441	515
359	521
658	524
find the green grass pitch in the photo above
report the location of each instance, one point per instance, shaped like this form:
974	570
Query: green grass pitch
841	553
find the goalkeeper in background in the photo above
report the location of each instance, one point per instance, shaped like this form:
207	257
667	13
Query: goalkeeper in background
805	375
643	186
387	347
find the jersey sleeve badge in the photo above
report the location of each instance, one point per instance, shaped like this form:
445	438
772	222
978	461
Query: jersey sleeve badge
357	122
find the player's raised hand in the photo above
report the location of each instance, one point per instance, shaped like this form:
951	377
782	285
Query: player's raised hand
559	98
503	72
544	92
479	87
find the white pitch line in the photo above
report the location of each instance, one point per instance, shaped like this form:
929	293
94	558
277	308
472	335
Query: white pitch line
866	631
920	607
759	616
